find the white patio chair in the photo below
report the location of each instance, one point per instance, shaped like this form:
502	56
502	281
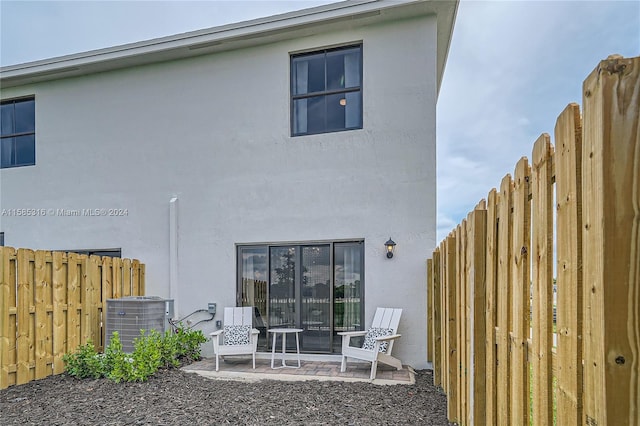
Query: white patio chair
238	335
378	342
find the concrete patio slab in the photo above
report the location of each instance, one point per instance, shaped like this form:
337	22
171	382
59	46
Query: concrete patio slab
241	369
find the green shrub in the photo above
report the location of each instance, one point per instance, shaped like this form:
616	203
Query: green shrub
151	352
118	364
85	362
189	342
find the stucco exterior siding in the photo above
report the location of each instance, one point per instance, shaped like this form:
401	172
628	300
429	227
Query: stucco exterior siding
214	131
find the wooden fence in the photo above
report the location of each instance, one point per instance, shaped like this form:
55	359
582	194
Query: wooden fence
491	280
52	302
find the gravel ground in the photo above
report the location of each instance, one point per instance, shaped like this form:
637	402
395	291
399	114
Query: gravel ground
178	398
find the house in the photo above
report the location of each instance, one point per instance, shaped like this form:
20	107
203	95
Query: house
262	163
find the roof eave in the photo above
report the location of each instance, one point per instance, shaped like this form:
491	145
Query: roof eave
238	35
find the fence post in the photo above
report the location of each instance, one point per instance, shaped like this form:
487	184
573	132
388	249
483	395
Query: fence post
542	256
611	243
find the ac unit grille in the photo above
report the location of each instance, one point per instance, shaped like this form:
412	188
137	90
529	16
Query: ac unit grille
129	315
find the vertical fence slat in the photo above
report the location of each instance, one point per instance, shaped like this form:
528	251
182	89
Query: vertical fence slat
142	280
429	310
126	277
504	298
452	314
93	299
476	264
25	299
73	301
42	335
59	310
568	136
135	277
491	308
437	320
444	329
542	257
7	302
520	293
611	242
460	322
116	269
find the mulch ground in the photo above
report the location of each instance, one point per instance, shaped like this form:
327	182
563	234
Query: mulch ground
178	398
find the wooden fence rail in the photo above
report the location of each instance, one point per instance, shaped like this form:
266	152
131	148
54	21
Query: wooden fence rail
492	340
52	302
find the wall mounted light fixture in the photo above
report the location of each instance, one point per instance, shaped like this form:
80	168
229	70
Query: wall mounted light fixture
390	245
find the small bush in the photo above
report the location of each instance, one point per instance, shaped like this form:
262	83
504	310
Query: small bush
85	362
189	342
151	352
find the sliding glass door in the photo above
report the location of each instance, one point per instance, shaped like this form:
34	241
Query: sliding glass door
317	287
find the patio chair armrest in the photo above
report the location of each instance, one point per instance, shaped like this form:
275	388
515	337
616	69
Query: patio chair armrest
386	338
352	333
216	333
255	331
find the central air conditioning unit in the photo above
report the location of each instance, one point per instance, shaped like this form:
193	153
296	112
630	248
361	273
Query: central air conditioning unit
129	315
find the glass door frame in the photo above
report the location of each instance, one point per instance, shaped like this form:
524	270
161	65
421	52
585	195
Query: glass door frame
299	245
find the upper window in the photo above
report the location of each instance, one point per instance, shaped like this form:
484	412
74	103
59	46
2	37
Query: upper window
17	133
326	91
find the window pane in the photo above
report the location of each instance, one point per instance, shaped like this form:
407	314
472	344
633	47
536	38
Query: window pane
347	293
6	152
344	111
6	118
253	268
353	110
300	116
25	116
343	69
309	115
25	150
336	111
308	73
282	290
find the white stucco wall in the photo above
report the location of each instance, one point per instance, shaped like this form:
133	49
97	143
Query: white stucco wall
214	132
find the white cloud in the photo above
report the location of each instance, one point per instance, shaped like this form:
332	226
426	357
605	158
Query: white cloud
512	68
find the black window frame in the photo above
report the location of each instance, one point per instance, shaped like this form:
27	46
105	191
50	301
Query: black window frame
293	97
16	134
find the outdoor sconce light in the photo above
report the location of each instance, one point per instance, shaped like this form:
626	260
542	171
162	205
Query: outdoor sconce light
390	245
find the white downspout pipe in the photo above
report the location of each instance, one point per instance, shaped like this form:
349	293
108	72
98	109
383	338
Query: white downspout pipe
173	255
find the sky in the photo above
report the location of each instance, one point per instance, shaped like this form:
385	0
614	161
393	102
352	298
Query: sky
513	66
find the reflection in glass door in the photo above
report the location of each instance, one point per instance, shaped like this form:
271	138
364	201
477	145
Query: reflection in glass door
282	287
253	287
316	298
348	301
